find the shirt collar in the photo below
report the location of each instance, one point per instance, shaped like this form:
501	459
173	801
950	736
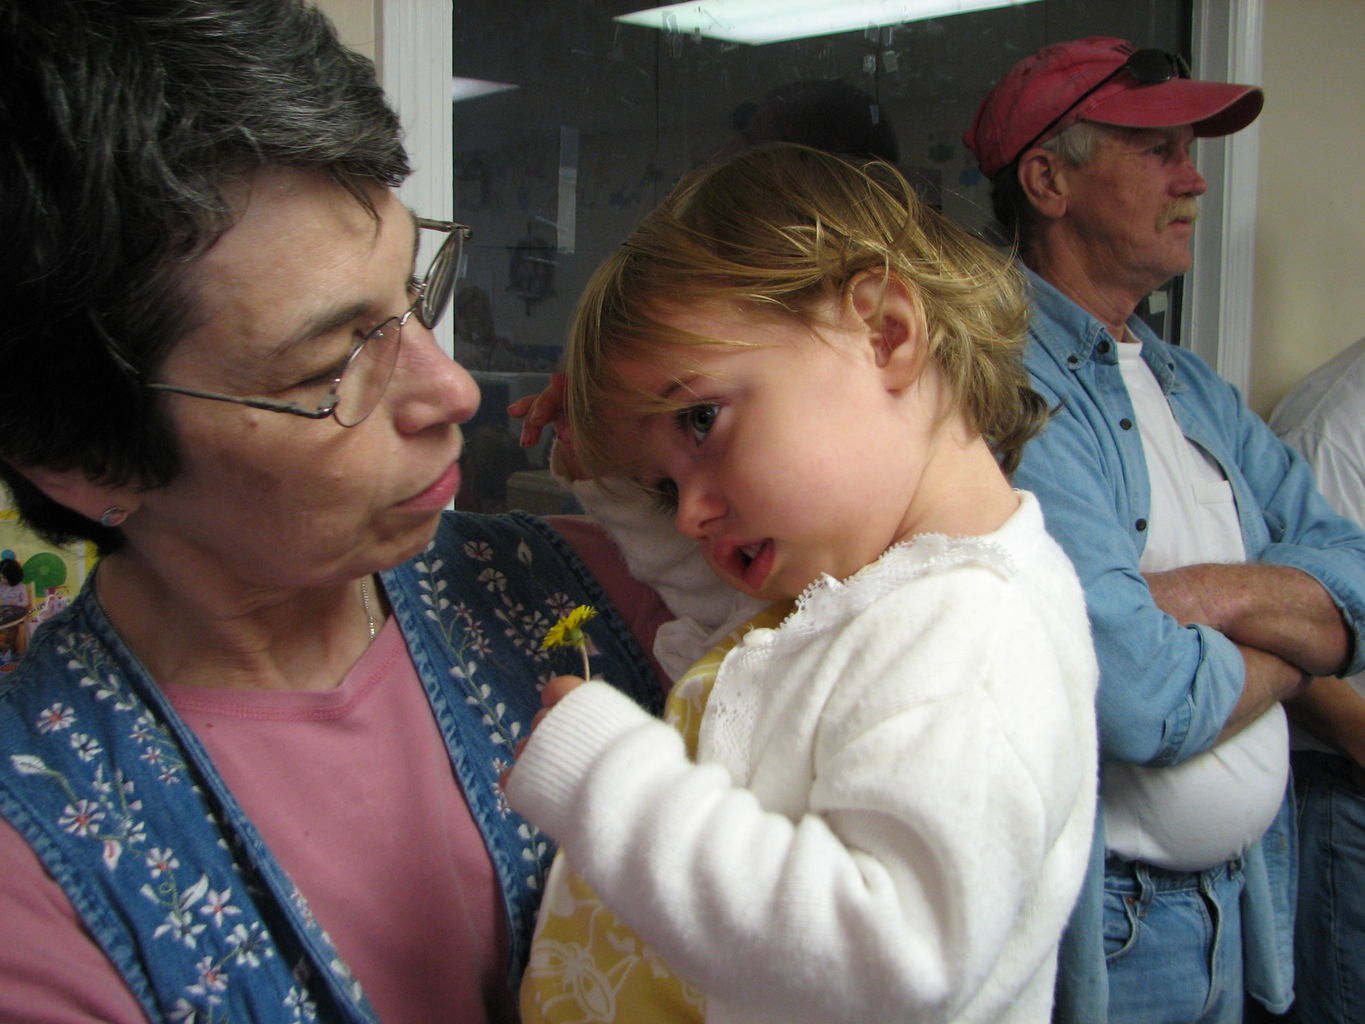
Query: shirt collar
1076	336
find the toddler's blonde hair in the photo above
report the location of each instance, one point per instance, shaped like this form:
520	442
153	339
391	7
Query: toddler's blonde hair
778	229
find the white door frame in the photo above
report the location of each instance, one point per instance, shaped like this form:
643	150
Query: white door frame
1216	320
413	53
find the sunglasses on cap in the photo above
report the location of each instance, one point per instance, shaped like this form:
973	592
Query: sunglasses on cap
1149	67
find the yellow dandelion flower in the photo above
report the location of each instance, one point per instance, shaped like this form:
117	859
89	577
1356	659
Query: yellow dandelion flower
568	632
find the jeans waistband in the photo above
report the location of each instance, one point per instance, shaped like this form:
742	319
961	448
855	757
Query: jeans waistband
1128	875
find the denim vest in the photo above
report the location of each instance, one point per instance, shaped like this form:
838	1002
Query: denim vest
122	805
1166	691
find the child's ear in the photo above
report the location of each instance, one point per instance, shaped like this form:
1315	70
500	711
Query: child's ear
894	319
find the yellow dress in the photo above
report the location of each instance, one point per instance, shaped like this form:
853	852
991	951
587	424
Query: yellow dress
587	966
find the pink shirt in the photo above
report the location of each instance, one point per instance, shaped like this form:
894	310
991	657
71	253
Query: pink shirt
353	792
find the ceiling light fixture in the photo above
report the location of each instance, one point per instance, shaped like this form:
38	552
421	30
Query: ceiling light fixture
473	88
770	21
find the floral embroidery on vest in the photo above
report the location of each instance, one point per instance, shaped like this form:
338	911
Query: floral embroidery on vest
116	796
112	774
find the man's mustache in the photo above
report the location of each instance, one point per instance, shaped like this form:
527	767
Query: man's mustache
1186	209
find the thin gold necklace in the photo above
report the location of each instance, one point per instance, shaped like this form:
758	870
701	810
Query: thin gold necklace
365	601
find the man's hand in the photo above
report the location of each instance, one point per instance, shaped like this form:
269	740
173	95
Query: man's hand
1269	680
1281	619
1273	608
1331	710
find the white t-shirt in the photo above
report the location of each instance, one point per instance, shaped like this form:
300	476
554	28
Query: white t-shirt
1211	808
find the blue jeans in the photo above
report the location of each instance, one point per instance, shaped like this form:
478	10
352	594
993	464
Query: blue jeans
1329	934
1173	944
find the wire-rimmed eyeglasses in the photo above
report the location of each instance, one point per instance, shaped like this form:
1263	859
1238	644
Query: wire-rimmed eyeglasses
363	376
1150	67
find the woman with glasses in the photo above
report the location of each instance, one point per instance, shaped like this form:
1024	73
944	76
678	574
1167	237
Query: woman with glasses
252	772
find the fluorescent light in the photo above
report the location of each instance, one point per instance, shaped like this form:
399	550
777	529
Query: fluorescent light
771	21
473	88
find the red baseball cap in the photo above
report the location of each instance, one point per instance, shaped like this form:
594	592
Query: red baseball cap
1019	112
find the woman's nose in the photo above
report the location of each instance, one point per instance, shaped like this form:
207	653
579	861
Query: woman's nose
428	386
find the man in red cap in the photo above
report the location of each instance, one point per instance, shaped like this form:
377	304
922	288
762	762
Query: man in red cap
1215	573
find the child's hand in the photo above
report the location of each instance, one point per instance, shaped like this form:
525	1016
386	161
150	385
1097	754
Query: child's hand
555	691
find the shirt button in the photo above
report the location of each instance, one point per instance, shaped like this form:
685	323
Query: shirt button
1102	347
1126	423
1141	525
1072	360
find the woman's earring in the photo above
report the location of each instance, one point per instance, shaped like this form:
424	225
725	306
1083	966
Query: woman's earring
113	516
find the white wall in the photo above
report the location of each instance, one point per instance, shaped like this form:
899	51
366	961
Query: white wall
355	22
1310	233
409	41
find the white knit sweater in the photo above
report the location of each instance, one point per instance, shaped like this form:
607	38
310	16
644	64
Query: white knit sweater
891	812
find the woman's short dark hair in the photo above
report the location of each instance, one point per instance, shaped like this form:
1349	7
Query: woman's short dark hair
125	121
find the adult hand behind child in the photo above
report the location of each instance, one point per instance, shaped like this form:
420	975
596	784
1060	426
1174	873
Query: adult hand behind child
546	409
542	410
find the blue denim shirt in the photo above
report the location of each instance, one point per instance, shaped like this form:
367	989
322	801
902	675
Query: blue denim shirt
1166	690
125	809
